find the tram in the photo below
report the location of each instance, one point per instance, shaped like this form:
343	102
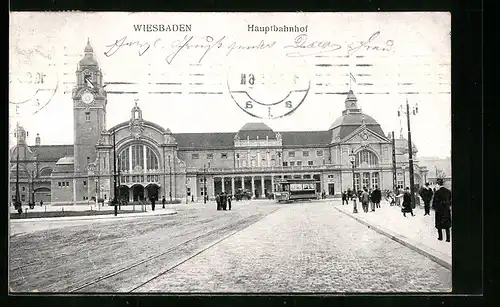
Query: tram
295	189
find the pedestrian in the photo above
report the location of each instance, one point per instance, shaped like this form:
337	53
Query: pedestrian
217	200
426	194
365	199
192	198
344	198
41	203
229	201
372	202
153	202
163	202
407	203
376	197
441	204
224	201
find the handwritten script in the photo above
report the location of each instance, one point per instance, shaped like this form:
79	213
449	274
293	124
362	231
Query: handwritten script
302	46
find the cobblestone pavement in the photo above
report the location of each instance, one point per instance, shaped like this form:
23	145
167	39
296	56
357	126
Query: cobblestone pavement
58	260
305	247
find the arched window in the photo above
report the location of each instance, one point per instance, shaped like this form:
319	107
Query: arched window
138	155
366	158
152	160
46	172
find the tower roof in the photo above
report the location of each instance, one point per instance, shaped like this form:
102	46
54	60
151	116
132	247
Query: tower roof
88	58
255	130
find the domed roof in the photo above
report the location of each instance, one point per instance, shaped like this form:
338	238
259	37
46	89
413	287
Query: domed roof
65	161
88	59
355	119
352	118
255	130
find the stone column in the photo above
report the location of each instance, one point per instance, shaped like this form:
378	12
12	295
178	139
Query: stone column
262	185
253	186
213	187
232	186
223	184
272	183
242	182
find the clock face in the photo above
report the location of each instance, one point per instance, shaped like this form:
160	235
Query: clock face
87	97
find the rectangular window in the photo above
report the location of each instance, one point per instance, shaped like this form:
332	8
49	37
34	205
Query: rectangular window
291	154
319	153
67	184
84	182
356	181
400	184
23	189
210	156
310	162
305	153
223	155
23	197
59	183
285	163
307	176
194	156
366	180
374	180
299	163
292	163
87	116
330	176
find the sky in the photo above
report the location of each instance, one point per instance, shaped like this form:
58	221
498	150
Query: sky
403	56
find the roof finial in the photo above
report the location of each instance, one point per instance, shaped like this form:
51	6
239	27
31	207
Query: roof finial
136	100
363	119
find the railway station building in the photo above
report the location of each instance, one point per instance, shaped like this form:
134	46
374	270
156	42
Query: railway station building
154	161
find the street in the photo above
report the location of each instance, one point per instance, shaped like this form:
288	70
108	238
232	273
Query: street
259	246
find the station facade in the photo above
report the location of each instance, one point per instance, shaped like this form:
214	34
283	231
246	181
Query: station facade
153	161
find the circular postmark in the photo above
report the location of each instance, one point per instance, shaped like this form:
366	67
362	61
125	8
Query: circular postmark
33	79
268	85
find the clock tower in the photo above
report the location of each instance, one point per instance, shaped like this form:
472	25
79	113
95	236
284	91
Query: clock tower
89	117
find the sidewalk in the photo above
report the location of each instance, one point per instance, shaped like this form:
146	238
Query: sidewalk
416	232
158	211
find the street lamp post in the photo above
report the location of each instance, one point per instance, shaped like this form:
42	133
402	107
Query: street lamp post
352	159
96	193
204	184
410	149
114	173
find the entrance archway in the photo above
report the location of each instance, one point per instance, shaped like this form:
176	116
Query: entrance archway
42	194
137	192
153	191
123	193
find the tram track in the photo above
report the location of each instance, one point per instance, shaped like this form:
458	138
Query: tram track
189	247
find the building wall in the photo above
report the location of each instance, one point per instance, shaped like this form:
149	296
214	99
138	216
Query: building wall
189	156
312	155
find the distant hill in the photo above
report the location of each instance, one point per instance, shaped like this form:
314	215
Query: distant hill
443	164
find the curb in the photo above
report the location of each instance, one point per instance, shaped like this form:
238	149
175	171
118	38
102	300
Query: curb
438	257
83	218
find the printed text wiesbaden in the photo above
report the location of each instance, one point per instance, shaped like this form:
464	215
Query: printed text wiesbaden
163	28
275	28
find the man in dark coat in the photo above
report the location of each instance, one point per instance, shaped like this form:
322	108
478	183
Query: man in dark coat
229	201
407	203
218	201
153	200
344	198
441	204
223	201
426	194
365	199
163	202
376	196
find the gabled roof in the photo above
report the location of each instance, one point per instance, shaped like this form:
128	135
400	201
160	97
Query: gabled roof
204	140
305	138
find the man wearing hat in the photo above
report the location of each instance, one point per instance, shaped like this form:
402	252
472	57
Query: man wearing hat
426	194
441	204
